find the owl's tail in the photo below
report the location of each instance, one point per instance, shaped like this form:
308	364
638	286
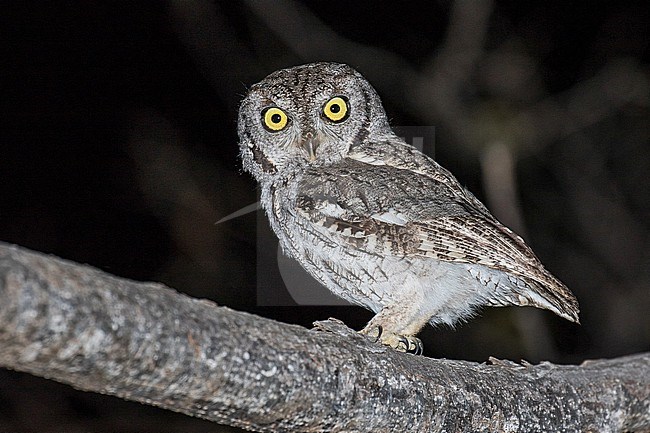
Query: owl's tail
553	295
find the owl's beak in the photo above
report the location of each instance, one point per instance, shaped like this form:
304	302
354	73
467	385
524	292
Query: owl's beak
309	146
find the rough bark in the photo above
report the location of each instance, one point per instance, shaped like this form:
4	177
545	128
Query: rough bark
144	342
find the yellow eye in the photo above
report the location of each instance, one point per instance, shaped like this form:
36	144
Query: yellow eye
274	119
336	109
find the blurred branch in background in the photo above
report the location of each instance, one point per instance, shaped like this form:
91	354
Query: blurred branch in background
188	194
212	42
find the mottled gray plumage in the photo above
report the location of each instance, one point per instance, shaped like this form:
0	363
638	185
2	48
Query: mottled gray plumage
373	219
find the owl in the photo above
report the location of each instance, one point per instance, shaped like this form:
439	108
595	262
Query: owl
373	219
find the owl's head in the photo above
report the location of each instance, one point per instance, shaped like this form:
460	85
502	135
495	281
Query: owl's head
309	114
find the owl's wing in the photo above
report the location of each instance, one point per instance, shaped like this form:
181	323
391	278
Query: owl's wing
395	153
487	242
392	211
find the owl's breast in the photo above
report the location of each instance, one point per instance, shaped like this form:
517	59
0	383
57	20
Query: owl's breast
356	275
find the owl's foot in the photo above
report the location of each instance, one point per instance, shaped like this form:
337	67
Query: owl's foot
401	343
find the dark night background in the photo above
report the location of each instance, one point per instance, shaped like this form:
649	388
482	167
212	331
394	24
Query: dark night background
118	148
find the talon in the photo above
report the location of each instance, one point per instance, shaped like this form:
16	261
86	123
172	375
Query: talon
375	333
410	345
403	341
380	330
419	347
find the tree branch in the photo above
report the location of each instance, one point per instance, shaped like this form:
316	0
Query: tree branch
145	342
